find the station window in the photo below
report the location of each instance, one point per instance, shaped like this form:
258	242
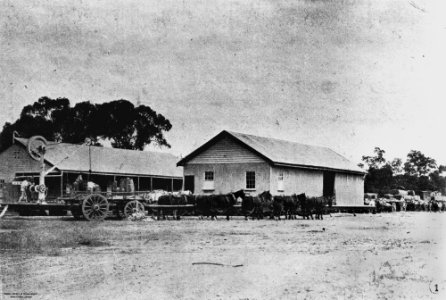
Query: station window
208	184
280	182
209	176
16	154
250	180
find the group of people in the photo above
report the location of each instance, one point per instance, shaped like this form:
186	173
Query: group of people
29	190
82	185
125	185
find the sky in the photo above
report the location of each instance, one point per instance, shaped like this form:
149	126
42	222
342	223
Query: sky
349	75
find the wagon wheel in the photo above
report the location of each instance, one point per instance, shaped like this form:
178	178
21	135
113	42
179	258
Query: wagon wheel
133	207
95	207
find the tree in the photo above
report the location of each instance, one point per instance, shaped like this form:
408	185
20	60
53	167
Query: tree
397	166
417	164
376	161
419	173
129	127
438	182
120	122
379	177
379	180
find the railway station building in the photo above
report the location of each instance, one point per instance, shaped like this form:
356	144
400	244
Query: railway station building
101	165
232	161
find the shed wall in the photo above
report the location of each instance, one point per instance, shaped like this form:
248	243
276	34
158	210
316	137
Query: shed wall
229	177
349	189
296	181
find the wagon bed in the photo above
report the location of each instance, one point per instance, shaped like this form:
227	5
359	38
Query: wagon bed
91	206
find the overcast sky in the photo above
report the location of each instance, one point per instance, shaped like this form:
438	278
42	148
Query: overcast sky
350	75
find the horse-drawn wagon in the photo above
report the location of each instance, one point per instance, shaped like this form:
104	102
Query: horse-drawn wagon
96	206
26	197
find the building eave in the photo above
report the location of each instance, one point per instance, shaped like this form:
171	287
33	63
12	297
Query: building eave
122	174
279	164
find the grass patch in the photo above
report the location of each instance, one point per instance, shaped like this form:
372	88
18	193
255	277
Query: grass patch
368	228
92	243
316	231
47	236
10	226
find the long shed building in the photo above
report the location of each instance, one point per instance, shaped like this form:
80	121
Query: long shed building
102	165
232	161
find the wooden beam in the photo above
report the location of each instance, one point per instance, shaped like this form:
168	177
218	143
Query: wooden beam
61	184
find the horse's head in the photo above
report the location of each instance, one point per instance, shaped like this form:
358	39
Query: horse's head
278	199
302	198
239	194
266	195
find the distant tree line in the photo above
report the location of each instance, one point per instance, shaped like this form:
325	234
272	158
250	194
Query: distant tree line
419	172
119	122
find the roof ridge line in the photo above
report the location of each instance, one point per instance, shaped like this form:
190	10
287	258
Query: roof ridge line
276	139
52	143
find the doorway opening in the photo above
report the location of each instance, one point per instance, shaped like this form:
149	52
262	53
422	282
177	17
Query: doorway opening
189	183
328	184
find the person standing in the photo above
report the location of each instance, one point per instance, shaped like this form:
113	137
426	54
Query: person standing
23	190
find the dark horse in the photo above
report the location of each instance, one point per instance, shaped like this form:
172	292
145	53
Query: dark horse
314	205
171	199
257	206
286	205
212	205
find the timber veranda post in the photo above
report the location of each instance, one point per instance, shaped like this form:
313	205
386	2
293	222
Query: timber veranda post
61	184
42	174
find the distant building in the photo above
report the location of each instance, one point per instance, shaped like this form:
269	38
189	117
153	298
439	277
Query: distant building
232	161
102	165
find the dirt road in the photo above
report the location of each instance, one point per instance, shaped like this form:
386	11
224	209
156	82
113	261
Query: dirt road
399	255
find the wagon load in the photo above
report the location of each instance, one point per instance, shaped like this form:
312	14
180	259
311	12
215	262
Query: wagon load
126	185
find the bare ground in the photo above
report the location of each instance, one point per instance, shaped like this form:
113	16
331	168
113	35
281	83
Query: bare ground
386	256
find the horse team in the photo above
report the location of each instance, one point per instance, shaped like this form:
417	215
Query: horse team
264	205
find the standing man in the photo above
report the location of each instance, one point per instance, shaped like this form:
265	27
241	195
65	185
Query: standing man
23	190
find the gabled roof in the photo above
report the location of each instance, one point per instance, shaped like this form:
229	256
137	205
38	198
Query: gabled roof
283	153
109	160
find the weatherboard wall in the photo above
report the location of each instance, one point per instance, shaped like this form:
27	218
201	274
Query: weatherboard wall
226	151
349	189
229	177
296	181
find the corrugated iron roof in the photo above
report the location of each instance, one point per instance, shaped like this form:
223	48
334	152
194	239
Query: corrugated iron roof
110	160
281	152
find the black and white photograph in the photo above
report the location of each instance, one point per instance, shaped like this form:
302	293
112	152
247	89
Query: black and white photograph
226	149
